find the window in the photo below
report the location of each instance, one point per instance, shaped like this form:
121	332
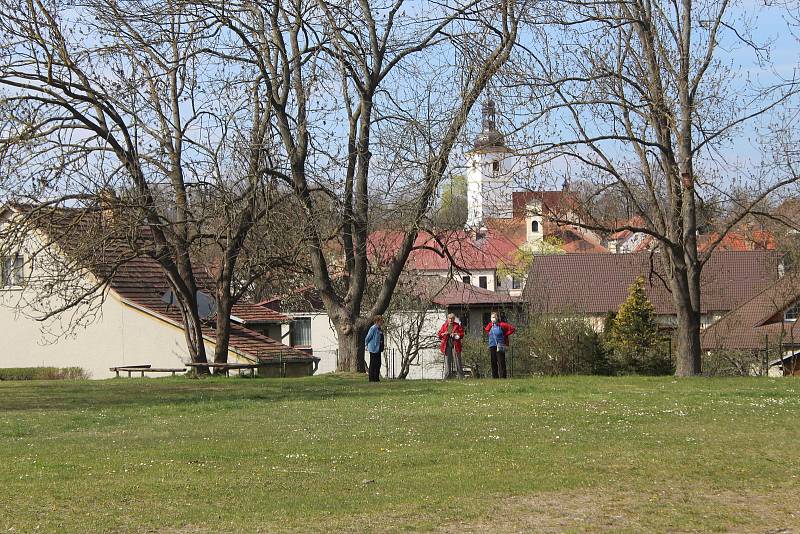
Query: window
534	226
301	332
482	282
11	271
792	313
496	167
466	279
516	283
497	281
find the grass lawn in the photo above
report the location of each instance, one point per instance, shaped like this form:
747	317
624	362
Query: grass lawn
333	454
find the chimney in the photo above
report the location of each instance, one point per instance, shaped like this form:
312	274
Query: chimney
108	202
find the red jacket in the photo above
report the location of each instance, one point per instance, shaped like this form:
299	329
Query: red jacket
458	330
508	329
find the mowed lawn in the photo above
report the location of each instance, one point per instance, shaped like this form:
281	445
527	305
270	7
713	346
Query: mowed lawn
336	454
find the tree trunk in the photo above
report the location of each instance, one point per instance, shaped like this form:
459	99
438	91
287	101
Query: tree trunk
193	332
351	348
223	329
687	336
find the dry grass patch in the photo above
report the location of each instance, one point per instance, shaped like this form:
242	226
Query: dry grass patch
609	510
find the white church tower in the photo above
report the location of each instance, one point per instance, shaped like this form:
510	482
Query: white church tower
489	180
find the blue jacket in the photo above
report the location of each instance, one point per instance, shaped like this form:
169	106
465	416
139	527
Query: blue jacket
374	339
496	336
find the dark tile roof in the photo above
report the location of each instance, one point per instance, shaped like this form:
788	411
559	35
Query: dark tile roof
142	283
598	283
251	313
139	280
758	322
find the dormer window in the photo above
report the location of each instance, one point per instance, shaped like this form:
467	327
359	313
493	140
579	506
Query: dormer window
535	226
792	313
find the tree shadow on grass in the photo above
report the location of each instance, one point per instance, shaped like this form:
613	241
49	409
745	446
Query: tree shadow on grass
153	392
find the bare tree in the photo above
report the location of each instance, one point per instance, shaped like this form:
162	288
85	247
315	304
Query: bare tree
648	107
108	96
409	319
364	100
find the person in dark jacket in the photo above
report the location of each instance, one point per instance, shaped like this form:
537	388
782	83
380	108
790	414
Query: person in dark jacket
374	343
451	333
498	341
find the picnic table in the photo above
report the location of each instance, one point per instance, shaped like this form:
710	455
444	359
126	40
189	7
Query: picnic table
142	369
226	367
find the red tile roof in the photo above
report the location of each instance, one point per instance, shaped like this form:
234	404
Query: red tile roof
142	283
598	283
429	254
448	292
758	322
738	241
553	202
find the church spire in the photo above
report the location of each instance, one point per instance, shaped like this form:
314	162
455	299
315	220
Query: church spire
489	137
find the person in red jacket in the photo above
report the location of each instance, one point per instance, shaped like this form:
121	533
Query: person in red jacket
451	333
498	341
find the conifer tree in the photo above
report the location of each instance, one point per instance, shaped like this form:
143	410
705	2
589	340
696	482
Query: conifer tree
634	333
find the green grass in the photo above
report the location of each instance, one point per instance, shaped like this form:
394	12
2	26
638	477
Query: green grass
333	454
42	373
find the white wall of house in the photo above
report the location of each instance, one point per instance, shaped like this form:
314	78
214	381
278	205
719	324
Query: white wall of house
120	335
324	341
429	362
597	322
325	346
474	277
631	243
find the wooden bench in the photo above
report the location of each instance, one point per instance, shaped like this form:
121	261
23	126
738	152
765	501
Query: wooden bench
142	369
227	367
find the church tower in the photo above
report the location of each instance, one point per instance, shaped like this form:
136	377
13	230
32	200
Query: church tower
489	176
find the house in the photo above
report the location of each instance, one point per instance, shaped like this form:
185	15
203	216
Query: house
765	325
420	317
594	285
486	259
128	321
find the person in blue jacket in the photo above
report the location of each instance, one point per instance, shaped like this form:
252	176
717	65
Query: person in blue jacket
498	331
374	343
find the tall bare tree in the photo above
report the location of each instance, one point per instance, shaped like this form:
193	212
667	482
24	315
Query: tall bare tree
649	106
365	101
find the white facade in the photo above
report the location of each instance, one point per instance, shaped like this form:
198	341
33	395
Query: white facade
120	335
534	229
630	243
506	282
324	341
429	364
489	186
112	332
